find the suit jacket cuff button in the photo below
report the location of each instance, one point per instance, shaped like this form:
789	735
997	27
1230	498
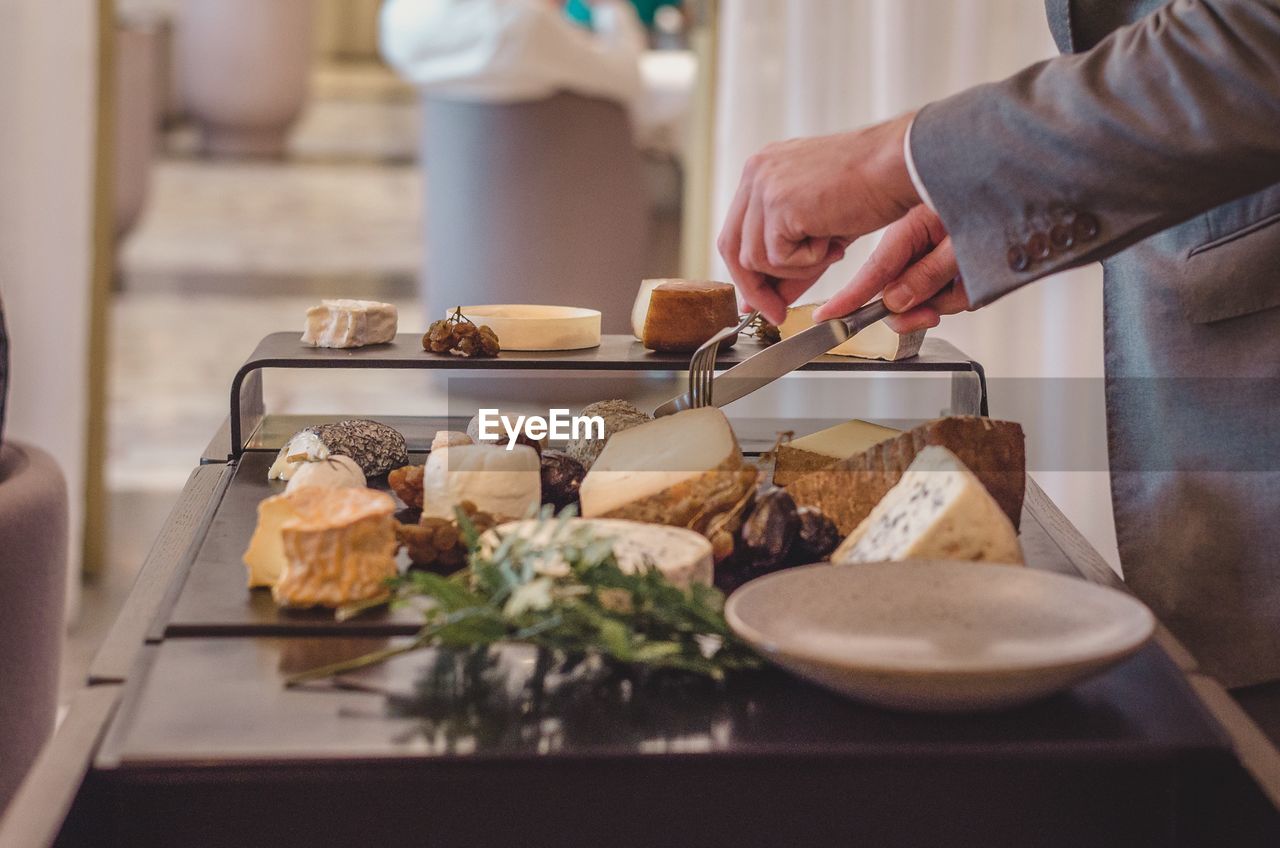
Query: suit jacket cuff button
1037	247
1018	258
1085	227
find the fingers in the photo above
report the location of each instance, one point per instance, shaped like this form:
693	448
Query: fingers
951	300
901	242
922	279
753	289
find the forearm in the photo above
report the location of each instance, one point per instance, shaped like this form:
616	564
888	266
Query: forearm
1165	119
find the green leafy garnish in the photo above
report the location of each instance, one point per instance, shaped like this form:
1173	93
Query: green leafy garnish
560	588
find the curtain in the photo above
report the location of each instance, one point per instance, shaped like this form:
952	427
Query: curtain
802	67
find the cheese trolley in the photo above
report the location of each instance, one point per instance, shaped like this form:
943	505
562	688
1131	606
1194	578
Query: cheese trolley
184	733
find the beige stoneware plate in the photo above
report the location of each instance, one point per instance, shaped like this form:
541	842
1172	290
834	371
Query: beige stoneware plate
938	636
536	327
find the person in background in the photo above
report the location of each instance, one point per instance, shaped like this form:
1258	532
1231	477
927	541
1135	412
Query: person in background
647	10
1153	147
515	50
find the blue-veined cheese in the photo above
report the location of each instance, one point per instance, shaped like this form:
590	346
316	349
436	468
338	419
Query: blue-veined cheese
938	510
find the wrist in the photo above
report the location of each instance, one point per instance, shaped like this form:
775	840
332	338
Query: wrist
896	167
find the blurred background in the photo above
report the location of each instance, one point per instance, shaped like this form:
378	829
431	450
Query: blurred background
180	177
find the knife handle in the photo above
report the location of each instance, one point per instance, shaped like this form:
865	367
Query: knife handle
865	316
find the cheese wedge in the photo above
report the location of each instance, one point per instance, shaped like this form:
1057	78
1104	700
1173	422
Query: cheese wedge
681	470
875	342
820	449
339	547
316	507
504	483
847	490
350	323
682	556
938	510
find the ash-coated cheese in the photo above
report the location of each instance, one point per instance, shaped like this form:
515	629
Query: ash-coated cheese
350	323
682	556
504	483
375	447
938	510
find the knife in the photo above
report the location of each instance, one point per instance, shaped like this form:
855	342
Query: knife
761	369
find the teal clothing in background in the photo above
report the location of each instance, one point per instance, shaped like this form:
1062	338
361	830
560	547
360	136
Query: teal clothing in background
579	12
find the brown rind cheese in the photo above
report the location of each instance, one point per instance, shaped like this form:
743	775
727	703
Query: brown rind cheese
683	315
849	489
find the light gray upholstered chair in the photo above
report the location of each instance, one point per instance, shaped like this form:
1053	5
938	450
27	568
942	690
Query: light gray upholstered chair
33	569
534	202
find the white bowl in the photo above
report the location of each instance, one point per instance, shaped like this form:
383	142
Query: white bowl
534	327
938	636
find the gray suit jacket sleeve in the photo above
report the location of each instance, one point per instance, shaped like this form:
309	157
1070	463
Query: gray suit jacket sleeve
1164	119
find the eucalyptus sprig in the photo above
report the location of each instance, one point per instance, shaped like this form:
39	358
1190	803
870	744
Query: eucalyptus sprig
560	588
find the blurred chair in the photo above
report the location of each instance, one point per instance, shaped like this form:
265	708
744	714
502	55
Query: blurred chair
534	202
33	569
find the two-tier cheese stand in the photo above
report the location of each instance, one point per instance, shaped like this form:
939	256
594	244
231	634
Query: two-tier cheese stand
184	734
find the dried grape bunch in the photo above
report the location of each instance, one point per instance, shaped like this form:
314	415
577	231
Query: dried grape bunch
461	336
437	543
406	482
761	329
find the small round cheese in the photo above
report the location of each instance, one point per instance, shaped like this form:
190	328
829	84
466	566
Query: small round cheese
335	472
683	314
536	327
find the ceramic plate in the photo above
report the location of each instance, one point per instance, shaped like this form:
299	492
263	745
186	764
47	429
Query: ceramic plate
938	636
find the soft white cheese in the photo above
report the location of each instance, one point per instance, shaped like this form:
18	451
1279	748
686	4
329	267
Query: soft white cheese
336	472
503	483
350	323
938	510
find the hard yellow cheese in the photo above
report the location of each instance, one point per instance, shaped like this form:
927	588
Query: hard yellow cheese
820	449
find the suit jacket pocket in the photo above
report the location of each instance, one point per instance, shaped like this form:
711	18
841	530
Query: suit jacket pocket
1235	269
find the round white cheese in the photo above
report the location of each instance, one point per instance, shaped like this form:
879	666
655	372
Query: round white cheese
533	327
682	556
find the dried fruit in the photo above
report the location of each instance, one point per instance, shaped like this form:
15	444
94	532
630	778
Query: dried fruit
763	331
459	335
437	543
767	533
817	538
561	478
406	482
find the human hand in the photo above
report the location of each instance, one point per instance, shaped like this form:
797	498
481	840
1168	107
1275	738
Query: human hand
801	203
915	266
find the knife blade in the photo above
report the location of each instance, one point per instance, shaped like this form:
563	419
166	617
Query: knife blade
761	369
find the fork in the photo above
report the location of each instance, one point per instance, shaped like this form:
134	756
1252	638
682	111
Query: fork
703	364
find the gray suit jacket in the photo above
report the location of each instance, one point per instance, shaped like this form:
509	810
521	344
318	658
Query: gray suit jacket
1153	146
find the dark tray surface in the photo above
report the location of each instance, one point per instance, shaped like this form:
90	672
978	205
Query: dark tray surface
222	701
215	601
615	353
